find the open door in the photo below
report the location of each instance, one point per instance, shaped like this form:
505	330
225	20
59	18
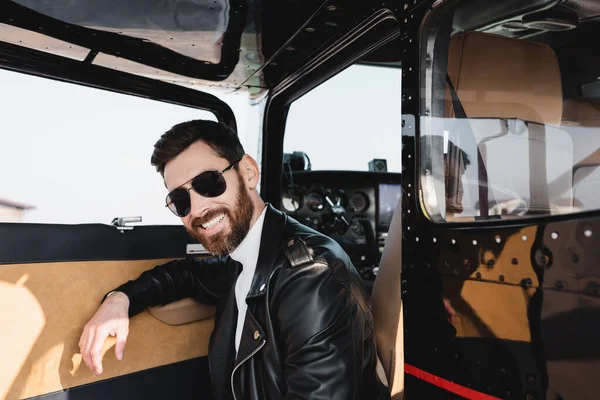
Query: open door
52	278
73	158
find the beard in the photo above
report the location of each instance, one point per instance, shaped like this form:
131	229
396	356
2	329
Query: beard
223	243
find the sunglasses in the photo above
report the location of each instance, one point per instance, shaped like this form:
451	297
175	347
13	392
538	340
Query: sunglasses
209	183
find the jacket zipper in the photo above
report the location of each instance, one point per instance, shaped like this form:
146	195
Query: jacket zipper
243	361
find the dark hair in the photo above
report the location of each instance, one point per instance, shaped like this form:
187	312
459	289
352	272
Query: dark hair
219	137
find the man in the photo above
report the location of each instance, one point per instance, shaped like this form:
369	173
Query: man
292	319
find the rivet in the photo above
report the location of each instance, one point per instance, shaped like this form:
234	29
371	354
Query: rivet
453	241
256	335
474	242
434	240
498	239
524	238
331	8
409	156
262	287
310	30
490	264
416	239
575	258
478	275
501	277
408	228
587	233
515	261
290	243
405	6
554	235
290	48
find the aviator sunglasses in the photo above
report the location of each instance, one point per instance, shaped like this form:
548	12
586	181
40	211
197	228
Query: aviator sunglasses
209	183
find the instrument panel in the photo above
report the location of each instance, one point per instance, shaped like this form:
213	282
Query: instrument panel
332	210
353	208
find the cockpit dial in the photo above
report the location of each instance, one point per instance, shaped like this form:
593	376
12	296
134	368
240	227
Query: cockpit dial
314	201
359	202
291	201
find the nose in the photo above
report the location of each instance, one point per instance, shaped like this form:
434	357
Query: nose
198	204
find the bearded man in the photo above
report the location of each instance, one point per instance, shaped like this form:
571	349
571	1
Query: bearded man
292	319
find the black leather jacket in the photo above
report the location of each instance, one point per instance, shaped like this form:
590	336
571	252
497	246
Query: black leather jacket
308	332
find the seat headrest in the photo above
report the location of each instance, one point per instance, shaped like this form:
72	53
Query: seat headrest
499	77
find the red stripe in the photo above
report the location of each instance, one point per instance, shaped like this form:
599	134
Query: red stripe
447	385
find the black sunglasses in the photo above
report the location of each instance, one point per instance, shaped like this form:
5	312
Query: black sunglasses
209	183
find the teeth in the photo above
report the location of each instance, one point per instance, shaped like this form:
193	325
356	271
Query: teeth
213	222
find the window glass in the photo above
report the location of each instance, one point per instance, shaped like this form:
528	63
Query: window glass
349	121
514	134
71	154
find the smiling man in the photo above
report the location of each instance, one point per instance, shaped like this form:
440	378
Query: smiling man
292	319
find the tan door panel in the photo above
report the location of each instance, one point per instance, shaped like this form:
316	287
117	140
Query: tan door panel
45	307
490	307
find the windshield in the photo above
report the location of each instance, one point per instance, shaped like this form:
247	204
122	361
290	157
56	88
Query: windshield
351	122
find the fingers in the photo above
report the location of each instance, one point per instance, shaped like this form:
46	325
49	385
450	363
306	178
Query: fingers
95	351
110	319
121	340
88	339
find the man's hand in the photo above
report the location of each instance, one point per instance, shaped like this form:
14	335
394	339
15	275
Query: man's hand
112	318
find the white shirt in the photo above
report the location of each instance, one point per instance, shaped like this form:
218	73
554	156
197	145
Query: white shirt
247	255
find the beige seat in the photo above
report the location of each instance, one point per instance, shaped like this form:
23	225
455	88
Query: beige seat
517	82
387	309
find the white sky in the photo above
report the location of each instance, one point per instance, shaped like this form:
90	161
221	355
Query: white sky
81	155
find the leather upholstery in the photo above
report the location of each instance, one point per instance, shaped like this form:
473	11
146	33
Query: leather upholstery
388	310
500	77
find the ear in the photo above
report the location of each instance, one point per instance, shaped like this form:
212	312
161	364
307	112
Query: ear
249	170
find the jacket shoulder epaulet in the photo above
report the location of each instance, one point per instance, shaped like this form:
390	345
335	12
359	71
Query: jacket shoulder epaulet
298	253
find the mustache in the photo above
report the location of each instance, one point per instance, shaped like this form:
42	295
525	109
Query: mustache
196	222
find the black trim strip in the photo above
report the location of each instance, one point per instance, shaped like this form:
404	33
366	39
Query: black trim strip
184	380
41	243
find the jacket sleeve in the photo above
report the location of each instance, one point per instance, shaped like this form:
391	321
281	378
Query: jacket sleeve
202	279
321	327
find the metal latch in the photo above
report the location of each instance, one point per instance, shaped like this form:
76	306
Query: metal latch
121	223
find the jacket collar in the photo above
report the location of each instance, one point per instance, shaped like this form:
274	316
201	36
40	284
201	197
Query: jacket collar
270	245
